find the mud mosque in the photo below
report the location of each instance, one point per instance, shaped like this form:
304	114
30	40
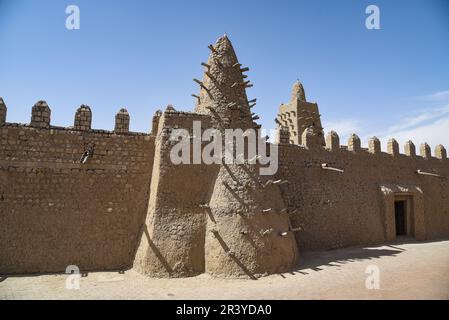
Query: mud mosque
113	200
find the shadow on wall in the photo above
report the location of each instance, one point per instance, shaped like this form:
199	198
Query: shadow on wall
157	252
236	260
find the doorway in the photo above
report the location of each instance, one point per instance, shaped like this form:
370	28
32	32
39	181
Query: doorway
400	217
408	214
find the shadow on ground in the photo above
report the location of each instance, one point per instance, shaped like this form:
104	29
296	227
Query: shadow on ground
339	257
313	261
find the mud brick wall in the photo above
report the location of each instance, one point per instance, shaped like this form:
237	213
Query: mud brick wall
56	211
345	209
172	242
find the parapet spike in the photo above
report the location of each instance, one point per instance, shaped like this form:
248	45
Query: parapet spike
122	121
354	143
40	115
333	141
410	149
393	147
440	152
83	118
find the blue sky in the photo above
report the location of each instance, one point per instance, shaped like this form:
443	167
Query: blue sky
142	55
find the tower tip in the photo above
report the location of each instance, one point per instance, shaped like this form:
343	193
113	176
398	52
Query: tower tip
298	92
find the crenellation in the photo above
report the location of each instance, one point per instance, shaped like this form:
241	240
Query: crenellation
155	122
425	151
40	115
282	135
83	118
122	122
53	129
374	145
332	141
410	149
310	139
440	152
354	143
393	147
3	111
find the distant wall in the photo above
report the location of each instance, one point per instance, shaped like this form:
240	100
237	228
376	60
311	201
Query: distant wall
344	209
56	211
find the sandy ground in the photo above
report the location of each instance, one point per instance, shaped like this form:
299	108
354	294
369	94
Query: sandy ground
407	270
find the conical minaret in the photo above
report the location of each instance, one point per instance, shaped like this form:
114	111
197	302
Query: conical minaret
222	90
248	228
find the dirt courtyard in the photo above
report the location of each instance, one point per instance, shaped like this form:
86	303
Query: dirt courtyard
407	270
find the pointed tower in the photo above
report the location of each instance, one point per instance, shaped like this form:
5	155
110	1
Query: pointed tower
248	227
222	90
299	115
